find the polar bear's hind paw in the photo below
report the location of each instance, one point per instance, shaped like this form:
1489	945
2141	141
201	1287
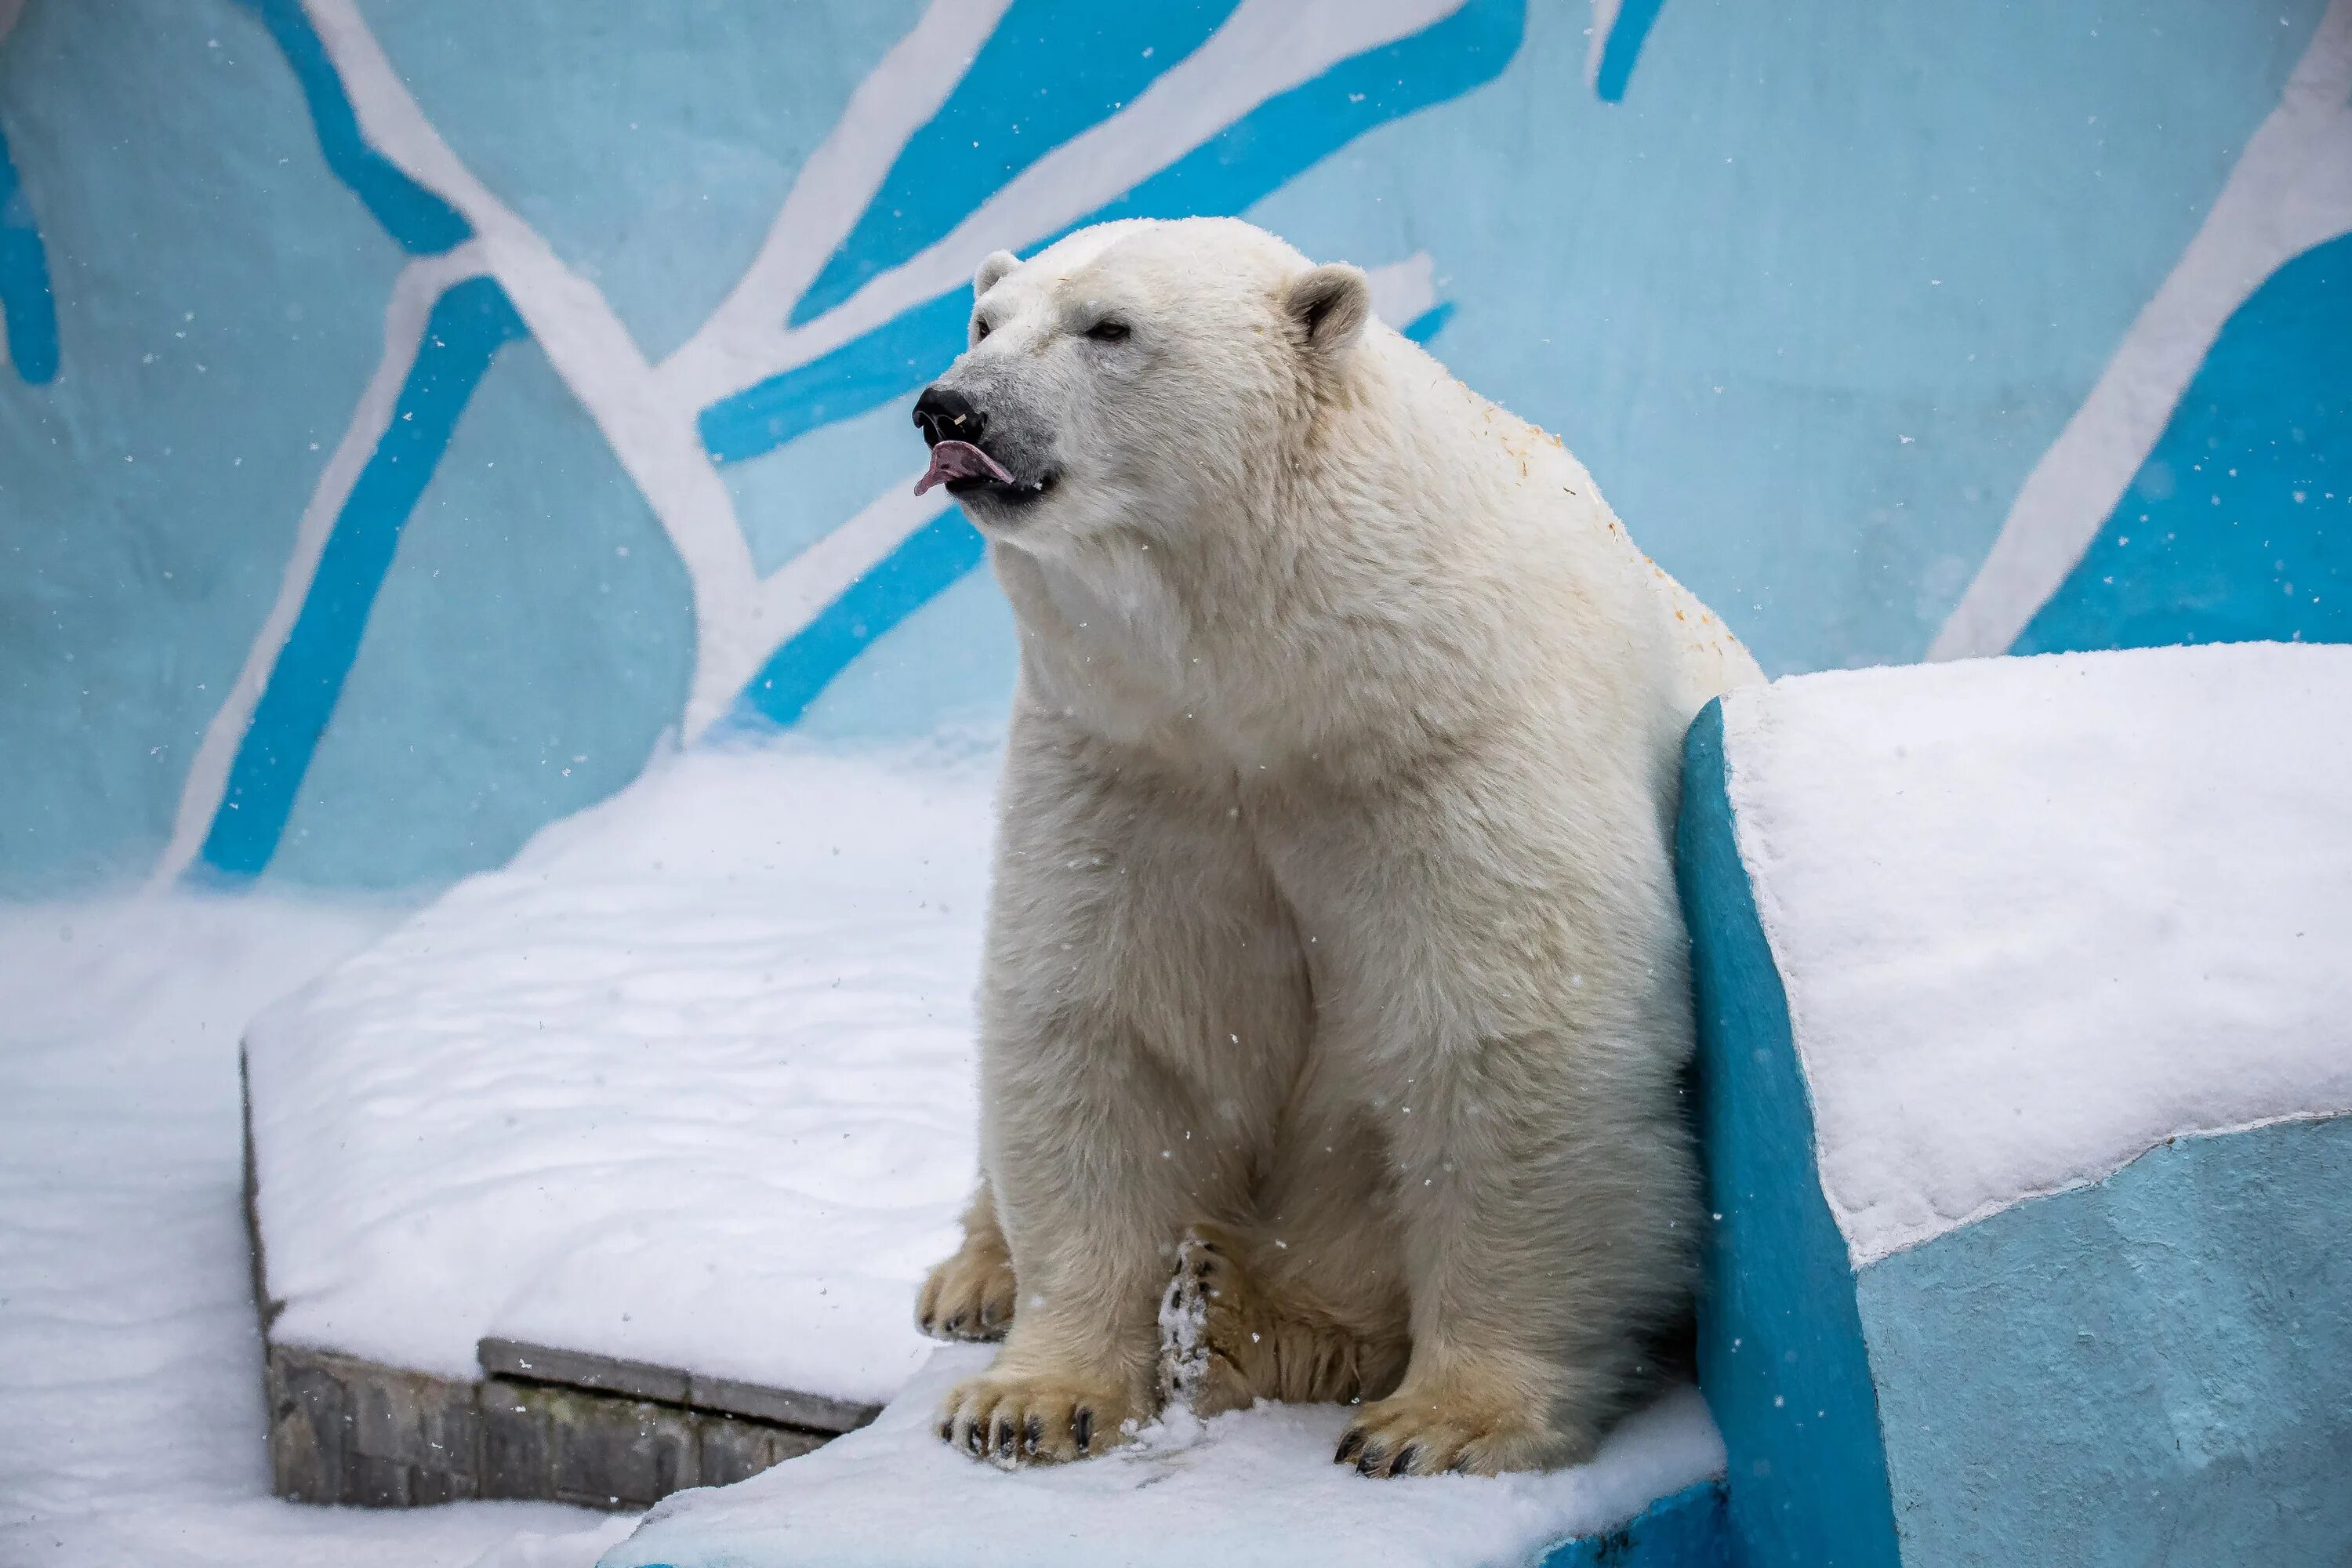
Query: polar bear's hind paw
1429	1433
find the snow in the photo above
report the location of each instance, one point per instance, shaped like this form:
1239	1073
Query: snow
690	1083
1250	1487
130	1363
611	1097
2036	916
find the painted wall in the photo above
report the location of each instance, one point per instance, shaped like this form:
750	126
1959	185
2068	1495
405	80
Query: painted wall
414	413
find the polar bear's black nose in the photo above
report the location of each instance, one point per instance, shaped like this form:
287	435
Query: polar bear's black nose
945	416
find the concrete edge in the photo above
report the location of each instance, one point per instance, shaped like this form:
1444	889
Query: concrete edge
670	1386
349	1432
543	1425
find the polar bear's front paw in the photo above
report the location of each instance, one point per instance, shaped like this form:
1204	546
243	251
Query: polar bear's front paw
1433	1430
969	1297
1015	1418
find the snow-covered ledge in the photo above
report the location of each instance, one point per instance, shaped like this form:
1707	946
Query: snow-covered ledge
2026	997
1250	1487
616	1170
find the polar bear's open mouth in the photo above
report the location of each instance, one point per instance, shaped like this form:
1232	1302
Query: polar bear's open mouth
967	471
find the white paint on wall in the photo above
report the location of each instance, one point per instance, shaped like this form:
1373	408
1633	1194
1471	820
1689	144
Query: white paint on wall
653	437
2291	190
1604	22
897	99
1403	290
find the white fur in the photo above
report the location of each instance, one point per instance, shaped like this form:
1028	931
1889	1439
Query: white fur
1333	904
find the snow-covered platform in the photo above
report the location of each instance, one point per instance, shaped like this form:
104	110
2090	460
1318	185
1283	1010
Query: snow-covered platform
2026	1060
617	1169
2026	996
1254	1486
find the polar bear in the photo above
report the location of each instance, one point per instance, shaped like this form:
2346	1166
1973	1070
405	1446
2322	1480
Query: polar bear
1333	961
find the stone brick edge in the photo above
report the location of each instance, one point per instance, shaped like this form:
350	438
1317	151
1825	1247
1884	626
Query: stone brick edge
544	1424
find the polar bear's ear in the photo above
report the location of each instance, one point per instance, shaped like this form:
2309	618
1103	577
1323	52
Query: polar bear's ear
1331	305
993	270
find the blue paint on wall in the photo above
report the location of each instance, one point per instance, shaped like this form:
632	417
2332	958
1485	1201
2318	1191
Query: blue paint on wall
1623	45
1424	327
2239	526
220	300
950	666
2157	1368
420	221
1051	71
467	325
1681	1530
1225	174
931	559
27	304
537	622
787	499
862	374
1781	1355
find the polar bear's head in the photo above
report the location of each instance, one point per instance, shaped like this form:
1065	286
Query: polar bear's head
1137	375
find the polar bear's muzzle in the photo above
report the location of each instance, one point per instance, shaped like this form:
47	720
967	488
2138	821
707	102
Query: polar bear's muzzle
954	429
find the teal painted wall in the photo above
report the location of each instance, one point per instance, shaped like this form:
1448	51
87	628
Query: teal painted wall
1811	288
2149	1370
2239	526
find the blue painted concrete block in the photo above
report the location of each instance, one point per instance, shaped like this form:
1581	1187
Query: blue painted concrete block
2024	1083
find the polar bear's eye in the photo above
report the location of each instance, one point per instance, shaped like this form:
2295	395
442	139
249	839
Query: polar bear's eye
1107	332
979	329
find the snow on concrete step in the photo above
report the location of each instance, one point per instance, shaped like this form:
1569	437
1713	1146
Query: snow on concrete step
2026	1038
689	1085
1254	1486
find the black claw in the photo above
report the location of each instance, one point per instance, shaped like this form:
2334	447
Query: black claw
947	1430
1370	1463
1082	1427
953	1325
975	1439
1003	1436
1403	1464
1033	1433
924	1324
1175	1296
1351	1442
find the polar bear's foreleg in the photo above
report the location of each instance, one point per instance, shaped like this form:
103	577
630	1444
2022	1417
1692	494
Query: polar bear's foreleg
1144	1008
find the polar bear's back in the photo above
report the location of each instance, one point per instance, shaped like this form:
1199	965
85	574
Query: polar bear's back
1552	513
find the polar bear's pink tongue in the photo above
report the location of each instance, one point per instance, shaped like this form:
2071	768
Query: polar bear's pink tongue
960	461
